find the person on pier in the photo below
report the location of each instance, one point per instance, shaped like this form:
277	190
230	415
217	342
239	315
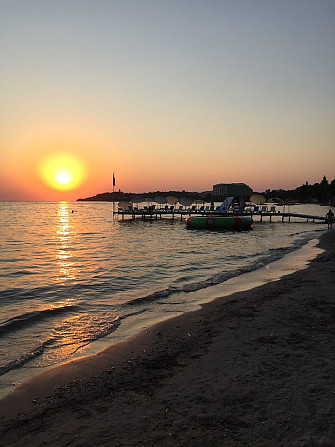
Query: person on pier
330	217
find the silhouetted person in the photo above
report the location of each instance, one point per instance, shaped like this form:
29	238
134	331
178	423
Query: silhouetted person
330	217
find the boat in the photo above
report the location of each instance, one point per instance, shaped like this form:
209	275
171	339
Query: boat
219	223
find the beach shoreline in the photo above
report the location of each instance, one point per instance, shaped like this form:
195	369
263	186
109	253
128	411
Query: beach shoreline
131	326
251	370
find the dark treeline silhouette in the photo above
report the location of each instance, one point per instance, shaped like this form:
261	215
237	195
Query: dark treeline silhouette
128	196
323	192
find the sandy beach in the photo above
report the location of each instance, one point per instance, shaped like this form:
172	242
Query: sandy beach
256	369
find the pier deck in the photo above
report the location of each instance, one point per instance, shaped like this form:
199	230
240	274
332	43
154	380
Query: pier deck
156	214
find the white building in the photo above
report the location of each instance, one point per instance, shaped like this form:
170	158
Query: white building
232	189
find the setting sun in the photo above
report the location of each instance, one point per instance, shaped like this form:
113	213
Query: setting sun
62	171
64	178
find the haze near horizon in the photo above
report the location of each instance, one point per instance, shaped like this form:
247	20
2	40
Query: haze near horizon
168	95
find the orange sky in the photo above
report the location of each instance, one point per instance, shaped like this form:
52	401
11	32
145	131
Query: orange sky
167	96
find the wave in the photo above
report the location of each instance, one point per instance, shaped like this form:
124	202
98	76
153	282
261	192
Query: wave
21	293
57	342
18	273
49	292
21	321
272	255
94	333
25	358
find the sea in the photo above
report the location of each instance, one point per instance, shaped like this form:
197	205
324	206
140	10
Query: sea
75	278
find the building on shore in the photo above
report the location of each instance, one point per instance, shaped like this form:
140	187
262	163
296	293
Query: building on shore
231	189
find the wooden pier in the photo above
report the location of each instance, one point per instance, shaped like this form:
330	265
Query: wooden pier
155	214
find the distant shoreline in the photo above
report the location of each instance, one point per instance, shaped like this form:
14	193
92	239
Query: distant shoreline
322	193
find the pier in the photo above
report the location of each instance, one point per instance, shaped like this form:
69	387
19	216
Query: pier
157	214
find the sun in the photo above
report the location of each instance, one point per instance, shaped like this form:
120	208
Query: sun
63	172
64	178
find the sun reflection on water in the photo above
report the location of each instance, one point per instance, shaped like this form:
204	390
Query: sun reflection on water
76	332
65	231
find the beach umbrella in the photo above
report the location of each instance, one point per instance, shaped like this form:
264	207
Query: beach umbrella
185	201
124	205
171	200
160	200
257	199
137	199
274	200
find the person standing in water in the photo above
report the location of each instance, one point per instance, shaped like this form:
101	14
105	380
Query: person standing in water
330	217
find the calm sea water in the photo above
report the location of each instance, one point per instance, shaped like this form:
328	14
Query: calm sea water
71	275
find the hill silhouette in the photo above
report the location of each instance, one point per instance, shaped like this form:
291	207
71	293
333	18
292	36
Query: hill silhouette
323	193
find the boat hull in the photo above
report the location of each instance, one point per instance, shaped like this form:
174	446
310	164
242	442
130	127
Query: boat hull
219	223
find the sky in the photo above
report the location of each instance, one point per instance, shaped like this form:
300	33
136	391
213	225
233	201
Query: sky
168	94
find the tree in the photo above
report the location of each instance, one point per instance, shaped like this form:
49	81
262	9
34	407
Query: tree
324	194
324	182
332	188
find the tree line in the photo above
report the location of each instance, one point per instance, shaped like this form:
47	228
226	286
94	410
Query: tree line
323	192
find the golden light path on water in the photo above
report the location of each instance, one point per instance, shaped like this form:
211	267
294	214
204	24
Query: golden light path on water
71	330
65	232
77	327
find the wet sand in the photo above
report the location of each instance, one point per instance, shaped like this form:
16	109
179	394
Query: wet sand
254	369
